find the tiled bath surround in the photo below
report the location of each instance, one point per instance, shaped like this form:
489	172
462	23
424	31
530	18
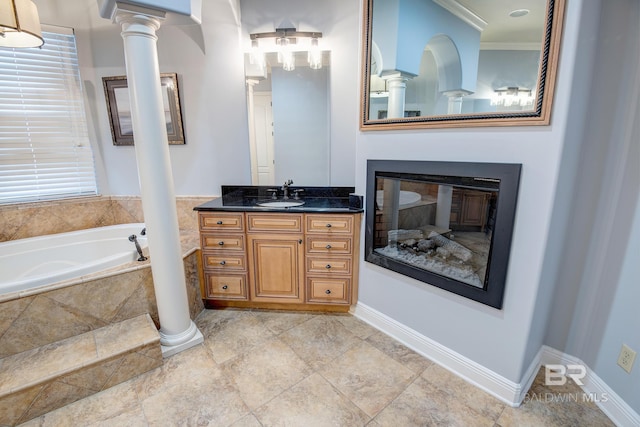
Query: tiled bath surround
31	321
24	220
35	323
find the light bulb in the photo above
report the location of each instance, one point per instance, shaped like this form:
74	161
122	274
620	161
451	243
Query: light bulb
285	55
315	55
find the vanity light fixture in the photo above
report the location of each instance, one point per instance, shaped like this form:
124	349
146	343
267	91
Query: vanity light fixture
286	41
19	24
513	97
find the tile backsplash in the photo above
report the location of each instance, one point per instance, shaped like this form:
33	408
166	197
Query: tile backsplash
35	219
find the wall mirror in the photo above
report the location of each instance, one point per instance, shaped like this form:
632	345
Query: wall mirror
455	63
289	120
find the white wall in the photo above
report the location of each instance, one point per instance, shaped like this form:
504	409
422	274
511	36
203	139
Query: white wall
209	64
595	300
496	339
301	125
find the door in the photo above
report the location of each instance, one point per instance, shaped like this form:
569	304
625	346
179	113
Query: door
263	122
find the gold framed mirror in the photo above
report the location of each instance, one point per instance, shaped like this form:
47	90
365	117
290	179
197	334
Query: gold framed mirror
459	63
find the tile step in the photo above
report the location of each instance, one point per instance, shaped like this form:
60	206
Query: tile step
40	380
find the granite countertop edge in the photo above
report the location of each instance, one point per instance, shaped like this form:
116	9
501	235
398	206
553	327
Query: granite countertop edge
316	200
217	205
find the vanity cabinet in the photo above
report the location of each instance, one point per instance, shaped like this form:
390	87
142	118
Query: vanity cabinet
305	261
469	210
224	260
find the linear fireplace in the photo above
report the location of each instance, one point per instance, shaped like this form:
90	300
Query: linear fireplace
448	224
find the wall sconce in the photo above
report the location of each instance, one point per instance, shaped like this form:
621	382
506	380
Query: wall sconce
513	97
286	40
19	24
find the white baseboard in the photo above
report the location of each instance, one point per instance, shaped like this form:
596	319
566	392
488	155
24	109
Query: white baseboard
507	391
607	400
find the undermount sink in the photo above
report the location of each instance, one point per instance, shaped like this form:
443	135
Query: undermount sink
281	204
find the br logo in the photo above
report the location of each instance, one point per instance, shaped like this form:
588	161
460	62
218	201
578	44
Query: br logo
557	374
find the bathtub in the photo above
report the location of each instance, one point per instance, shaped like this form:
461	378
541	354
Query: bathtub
407	198
37	261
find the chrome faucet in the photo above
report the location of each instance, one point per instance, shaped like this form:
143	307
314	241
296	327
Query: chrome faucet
133	238
285	189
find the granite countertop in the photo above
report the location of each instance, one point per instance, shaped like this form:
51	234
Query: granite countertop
316	199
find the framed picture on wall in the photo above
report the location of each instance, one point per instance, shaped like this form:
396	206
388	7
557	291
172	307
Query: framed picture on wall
119	108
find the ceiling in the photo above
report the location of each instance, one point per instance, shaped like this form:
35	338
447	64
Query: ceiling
501	28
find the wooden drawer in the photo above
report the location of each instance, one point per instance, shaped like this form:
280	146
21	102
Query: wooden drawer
328	291
227	286
326	265
274	222
210	221
224	261
329	246
230	242
332	224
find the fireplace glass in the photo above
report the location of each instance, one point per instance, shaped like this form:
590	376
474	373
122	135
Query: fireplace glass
448	224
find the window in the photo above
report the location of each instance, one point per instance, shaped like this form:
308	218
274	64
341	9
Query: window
44	145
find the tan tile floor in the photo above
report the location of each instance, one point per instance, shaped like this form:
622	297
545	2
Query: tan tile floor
259	368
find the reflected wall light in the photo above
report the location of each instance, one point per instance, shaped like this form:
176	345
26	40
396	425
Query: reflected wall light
513	97
19	24
286	41
256	56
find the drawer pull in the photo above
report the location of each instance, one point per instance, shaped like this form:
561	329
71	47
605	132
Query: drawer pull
225	287
328	291
223	262
328	266
300	241
221	243
328	246
219	222
328	225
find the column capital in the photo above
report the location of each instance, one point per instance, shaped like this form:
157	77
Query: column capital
397	76
136	21
458	93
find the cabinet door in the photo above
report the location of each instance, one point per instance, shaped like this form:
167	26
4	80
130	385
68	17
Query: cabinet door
276	267
474	209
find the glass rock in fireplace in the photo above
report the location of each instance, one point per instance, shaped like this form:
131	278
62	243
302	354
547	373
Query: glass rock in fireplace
448	224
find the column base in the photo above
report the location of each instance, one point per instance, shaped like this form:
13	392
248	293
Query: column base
167	351
172	344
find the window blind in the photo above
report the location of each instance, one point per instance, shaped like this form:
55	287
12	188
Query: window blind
44	145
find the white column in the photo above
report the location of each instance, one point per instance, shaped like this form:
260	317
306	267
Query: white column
397	86
177	331
443	207
454	106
